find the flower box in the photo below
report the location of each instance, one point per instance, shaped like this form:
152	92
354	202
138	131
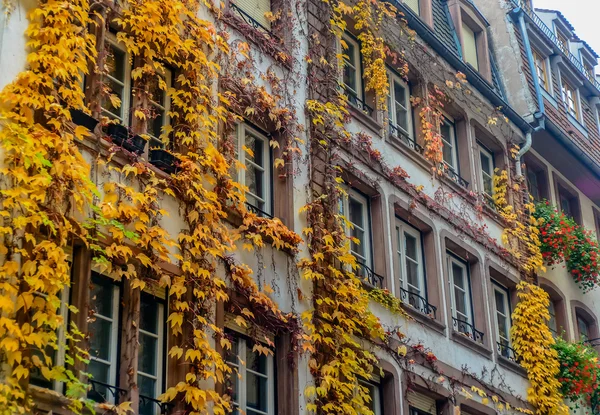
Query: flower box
119	135
163	160
81	118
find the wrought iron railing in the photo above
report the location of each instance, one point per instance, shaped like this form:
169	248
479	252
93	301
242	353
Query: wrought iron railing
467	329
395	131
99	396
523	4
148	403
258	211
489	200
593	342
358	103
417	302
369	276
252	22
507	352
455	177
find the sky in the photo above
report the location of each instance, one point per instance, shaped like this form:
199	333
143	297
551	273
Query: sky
584	15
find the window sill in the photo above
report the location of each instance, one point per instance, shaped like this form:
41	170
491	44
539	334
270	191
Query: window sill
512	366
366	120
424	319
580	127
414	155
47	400
482	349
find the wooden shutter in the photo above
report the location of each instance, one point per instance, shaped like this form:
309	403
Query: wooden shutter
413	5
256	9
469	46
422	402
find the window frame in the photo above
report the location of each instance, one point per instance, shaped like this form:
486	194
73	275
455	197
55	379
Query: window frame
553	318
401	227
267	199
115	330
125	108
376	399
241	376
454	144
348	38
476	34
392	114
345	208
542	68
579	318
563	41
570	95
452	258
262	20
161	337
499	288
486	152
165	107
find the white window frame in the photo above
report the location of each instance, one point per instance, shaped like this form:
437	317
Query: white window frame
241	378
574	98
357	65
114	341
266	199
160	350
375	387
402	228
393	77
486	153
345	210
123	117
507	317
165	107
468	317
453	143
61	338
547	80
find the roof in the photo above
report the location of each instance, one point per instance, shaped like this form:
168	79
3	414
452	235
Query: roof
560	15
443	26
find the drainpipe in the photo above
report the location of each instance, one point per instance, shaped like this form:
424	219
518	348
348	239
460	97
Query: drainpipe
540	114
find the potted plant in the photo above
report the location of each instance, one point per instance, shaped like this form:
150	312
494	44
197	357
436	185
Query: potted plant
163	160
119	135
81	118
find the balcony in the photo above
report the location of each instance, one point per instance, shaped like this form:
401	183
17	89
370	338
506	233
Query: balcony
523	4
417	302
103	392
454	176
246	18
257	211
467	329
507	352
358	103
151	406
408	141
369	276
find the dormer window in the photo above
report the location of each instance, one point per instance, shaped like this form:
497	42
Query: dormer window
470	46
570	98
541	67
413	5
563	42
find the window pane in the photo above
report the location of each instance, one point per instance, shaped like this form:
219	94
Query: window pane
255	361
100	339
499	302
256	392
502	327
410	242
470	46
148	354
147	387
156	124
460	299
486	163
256	145
400	94
412	271
101	373
360	247
255	180
115	62
356	212
350	78
148	315
102	297
457	273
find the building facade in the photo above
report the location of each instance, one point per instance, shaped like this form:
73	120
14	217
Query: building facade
499	85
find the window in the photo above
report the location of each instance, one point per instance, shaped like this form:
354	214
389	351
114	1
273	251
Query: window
568	203
570	99
533	184
552	324
470	46
487	170
355	208
399	109
117	80
413	5
563	43
254	383
254	153
352	71
150	352
542	70
449	150
104	335
256	10
583	327
57	355
461	293
589	71
420	404
374	393
160	105
503	320
410	257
